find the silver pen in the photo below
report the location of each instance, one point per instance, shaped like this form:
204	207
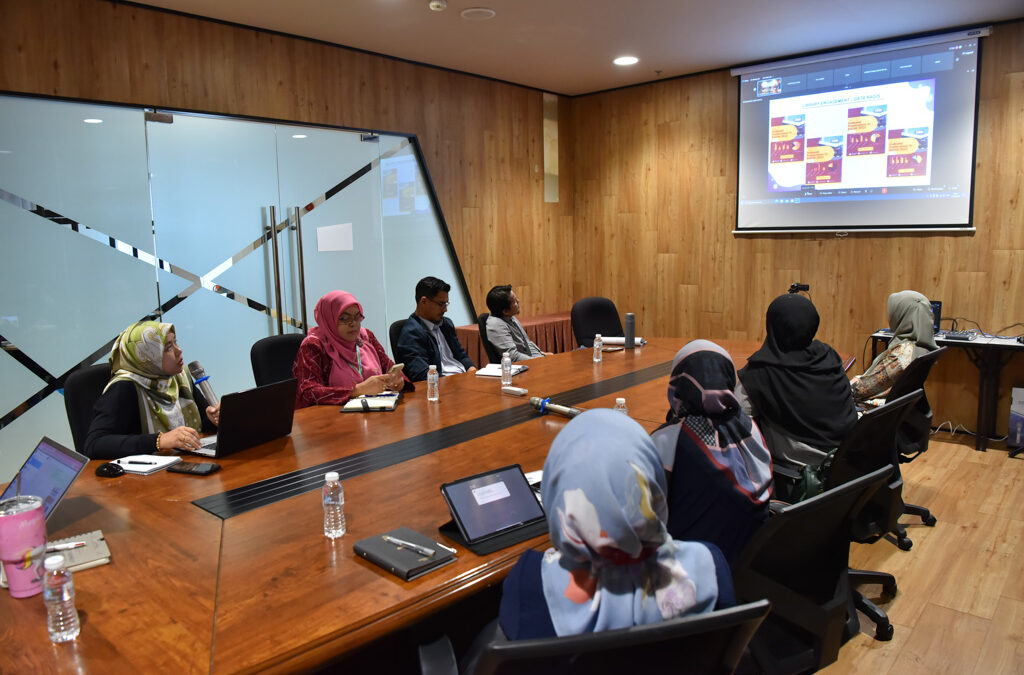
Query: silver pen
422	550
65	546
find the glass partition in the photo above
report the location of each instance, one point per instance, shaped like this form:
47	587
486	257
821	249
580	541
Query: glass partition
415	239
112	214
76	249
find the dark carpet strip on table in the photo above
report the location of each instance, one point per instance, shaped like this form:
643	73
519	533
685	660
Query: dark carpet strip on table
238	501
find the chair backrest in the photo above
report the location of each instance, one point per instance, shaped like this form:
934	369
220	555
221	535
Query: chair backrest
492	352
272	357
81	389
706	643
870	442
869	445
594	315
799	560
914	433
393	332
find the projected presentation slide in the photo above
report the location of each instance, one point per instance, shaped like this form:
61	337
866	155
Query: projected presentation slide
875	138
872	137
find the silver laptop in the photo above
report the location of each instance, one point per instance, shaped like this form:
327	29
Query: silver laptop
47	473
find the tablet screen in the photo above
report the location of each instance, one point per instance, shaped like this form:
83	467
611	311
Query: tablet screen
491	502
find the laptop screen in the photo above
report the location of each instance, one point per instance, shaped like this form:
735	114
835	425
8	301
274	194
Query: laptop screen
48	473
492	502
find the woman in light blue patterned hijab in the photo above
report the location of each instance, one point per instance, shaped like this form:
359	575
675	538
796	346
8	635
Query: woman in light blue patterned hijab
613	564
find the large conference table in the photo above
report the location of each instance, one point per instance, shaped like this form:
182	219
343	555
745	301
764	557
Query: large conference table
244	580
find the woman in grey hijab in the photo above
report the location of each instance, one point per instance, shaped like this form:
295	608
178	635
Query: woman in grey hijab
911	321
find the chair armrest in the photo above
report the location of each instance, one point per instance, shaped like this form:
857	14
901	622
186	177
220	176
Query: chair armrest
438	658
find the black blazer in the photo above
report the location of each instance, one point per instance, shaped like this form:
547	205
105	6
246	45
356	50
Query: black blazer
418	350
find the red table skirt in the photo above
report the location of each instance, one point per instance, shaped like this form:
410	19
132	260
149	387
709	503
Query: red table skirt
551	332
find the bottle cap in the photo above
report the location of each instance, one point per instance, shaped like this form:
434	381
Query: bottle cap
620	401
432	368
597	336
504	354
53	562
331	476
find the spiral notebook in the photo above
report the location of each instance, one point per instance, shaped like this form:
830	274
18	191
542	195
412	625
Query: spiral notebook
80	552
93	553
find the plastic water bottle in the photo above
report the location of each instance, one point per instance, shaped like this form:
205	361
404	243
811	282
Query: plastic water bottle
59	597
506	369
598	346
620	405
334	506
432	392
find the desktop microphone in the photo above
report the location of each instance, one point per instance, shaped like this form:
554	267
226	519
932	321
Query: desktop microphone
203	381
544	405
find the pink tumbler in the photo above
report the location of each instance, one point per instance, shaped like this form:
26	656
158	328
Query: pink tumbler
23	544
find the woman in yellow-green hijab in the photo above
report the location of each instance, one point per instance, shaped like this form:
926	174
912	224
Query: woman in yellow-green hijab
149	403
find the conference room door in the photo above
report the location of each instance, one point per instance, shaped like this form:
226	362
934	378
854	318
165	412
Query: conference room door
250	229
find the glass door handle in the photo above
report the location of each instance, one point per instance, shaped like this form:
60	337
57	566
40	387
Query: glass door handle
277	271
301	269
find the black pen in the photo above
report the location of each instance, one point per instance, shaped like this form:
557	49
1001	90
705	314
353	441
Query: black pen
132	461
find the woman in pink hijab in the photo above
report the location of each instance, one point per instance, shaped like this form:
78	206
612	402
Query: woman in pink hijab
339	358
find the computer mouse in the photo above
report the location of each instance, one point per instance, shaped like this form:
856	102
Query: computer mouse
110	470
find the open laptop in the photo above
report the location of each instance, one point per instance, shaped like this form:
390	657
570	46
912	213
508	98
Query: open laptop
251	417
48	473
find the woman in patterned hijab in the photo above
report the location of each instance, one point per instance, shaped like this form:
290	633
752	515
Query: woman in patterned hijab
149	403
912	324
720	469
613	564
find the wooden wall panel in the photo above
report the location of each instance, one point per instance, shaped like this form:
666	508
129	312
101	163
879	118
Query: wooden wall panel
482	139
655	204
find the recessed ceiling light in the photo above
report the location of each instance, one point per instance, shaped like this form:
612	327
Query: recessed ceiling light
437	5
298	135
477	13
626	61
93	120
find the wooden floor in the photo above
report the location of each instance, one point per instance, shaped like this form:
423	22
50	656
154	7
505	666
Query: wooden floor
960	606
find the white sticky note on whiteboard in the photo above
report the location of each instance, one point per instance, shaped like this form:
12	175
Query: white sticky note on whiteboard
334	237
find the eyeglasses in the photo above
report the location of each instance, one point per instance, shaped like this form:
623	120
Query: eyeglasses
442	305
351	320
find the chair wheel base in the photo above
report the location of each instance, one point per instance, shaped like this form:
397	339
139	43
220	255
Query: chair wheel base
905	543
930	520
884	632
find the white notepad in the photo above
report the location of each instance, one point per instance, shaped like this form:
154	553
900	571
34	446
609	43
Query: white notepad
146	464
494	370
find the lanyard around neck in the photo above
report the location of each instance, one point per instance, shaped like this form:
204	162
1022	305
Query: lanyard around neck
359	362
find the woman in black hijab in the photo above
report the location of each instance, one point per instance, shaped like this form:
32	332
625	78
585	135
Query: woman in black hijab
795	386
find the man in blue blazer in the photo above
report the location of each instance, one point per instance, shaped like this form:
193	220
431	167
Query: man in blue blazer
428	337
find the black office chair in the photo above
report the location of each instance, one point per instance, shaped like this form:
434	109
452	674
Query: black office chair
705	643
81	389
394	331
799	561
273	357
916	430
869	446
594	315
493	355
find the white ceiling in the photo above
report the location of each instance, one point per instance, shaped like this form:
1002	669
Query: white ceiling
566	46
